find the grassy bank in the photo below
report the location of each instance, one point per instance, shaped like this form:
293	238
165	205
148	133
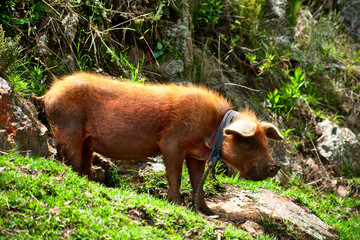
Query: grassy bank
42	199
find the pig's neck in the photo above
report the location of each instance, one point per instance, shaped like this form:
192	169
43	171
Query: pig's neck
210	141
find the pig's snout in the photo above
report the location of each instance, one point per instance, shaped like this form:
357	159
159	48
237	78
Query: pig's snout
256	174
273	170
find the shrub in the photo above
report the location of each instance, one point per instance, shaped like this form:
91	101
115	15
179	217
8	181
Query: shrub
282	101
9	52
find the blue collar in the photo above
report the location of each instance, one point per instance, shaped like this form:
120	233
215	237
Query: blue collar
214	156
219	137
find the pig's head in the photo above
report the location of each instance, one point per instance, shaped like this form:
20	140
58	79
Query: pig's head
245	148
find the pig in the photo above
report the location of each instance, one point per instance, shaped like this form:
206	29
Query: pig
122	120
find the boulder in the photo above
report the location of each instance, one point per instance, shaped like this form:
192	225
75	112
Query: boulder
339	146
19	130
264	207
278	8
351	14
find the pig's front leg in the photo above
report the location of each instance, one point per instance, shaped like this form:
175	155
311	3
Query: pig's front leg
196	171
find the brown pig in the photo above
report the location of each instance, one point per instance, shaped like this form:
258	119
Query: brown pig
121	120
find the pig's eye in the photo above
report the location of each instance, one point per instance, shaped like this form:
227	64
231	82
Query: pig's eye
248	141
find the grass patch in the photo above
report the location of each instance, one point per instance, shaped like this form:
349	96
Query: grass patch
40	198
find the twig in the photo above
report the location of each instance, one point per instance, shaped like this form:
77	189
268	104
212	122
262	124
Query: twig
219	233
239	85
3	153
318	157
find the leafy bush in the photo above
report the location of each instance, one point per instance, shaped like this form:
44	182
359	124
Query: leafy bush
9	52
29	77
283	101
210	12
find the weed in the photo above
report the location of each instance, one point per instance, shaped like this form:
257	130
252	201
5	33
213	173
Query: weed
113	179
293	12
37	79
135	77
210	12
22	17
247	16
348	165
29	77
282	101
159	50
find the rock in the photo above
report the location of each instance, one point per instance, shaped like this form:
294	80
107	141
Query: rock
342	191
181	34
70	23
19	130
278	7
351	14
253	228
98	174
339	146
312	171
253	206
128	168
174	69
42	44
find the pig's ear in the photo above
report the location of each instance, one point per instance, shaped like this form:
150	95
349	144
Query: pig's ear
271	131
243	128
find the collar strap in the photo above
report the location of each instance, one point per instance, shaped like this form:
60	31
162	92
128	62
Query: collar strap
214	156
219	137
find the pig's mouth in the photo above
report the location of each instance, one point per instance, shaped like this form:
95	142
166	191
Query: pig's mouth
256	178
255	174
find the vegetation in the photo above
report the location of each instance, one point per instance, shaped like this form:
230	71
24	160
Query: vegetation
44	199
299	69
41	198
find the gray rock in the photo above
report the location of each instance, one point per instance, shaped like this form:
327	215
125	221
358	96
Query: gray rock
174	68
70	23
181	35
278	7
339	146
267	204
351	15
19	130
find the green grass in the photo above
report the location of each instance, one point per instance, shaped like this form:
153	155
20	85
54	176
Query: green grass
42	199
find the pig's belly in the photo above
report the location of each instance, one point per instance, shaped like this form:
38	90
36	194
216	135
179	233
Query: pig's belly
118	145
125	151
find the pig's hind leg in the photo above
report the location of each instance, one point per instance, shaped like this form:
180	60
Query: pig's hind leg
173	161
73	148
86	160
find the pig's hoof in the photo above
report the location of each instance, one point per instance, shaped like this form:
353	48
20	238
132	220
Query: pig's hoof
204	209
